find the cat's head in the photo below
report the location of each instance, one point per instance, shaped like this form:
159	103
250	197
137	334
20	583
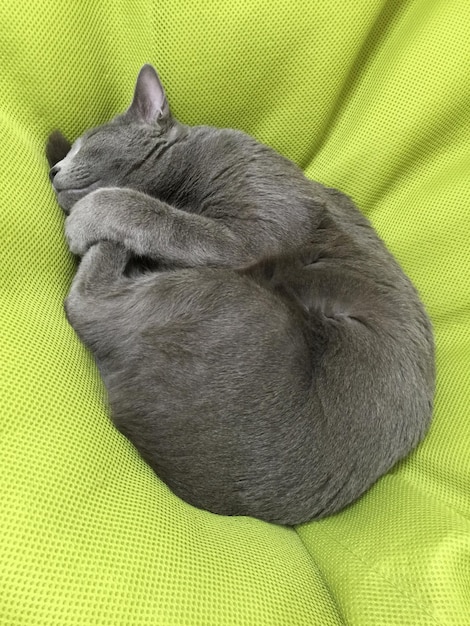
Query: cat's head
112	155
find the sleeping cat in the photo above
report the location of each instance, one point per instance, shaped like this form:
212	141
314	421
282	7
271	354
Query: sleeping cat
260	346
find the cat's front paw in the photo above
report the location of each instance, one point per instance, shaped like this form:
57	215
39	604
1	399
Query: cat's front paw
89	221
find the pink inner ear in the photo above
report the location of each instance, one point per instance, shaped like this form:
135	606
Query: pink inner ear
149	96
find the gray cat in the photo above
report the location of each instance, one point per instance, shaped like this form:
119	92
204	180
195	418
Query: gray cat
260	346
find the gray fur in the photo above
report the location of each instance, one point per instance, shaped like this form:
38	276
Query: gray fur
260	346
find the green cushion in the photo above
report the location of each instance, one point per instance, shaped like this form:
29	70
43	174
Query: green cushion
368	96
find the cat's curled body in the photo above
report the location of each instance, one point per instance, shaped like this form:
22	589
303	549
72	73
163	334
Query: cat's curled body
276	361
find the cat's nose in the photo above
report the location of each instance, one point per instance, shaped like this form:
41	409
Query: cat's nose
53	171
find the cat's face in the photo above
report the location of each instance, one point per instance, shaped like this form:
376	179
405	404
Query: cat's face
110	155
106	156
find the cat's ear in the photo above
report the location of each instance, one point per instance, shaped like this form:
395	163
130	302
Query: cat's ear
149	104
57	147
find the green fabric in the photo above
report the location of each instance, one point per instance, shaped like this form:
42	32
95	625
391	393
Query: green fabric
368	96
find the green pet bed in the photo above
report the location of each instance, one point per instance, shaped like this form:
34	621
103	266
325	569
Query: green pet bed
368	96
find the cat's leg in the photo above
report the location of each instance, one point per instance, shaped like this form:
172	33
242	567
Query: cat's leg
92	306
151	228
100	269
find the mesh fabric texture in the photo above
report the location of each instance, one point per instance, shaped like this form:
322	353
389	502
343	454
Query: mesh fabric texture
371	97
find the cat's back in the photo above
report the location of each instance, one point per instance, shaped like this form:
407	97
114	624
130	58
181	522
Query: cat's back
263	197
